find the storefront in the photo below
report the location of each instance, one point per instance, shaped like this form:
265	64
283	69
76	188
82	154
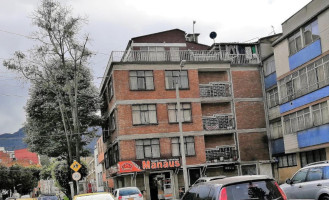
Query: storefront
158	179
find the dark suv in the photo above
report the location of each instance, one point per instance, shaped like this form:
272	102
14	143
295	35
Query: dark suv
237	187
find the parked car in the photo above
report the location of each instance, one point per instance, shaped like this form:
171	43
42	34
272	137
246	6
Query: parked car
309	182
48	197
94	196
128	193
236	187
206	179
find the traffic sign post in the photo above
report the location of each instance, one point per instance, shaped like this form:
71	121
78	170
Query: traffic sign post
75	166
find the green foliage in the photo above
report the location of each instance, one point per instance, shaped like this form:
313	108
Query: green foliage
24	179
63	175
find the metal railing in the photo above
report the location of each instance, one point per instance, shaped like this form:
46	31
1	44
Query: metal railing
218	122
215	89
221	154
188	55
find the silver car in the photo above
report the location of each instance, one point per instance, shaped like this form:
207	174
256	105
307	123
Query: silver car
310	182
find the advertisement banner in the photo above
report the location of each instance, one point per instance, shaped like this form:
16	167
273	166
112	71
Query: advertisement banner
142	165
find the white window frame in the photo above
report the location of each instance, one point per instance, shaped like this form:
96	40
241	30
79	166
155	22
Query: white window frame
142	114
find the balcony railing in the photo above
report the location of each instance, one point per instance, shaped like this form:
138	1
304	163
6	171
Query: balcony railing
167	56
218	122
221	154
215	89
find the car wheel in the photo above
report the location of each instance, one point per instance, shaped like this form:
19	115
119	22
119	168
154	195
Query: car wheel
324	197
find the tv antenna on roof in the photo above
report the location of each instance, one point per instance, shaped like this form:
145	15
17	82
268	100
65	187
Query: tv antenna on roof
213	35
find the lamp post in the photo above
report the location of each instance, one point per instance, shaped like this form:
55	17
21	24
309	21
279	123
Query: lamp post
180	119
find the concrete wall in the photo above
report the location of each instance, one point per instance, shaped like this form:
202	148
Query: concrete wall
323	21
281	53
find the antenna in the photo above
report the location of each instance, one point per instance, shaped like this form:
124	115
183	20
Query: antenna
213	35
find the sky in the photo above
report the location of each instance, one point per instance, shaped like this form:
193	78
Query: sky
112	23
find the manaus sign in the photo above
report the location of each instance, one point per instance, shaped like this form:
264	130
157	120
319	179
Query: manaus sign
142	165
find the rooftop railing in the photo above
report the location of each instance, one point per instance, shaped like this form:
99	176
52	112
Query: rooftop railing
188	55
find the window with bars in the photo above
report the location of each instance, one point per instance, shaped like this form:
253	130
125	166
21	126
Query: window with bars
312	156
269	66
288	160
144	114
175	75
310	78
273	97
303	37
149	148
185	109
188	144
141	80
276	130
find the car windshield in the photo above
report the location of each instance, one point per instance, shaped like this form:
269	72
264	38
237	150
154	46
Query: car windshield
128	191
253	190
95	197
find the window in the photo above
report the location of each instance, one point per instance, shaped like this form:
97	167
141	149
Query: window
295	43
112	122
300	176
314	174
311	32
276	130
185	110
312	156
307	34
152	53
144	114
149	148
269	66
141	80
288	160
297	121
309	78
273	97
320	113
188	144
248	169
173	76
109	89
106	158
113	154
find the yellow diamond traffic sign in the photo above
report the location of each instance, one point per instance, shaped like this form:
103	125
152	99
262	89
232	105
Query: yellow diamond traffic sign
75	166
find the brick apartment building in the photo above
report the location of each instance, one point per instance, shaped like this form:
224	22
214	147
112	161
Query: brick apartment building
222	100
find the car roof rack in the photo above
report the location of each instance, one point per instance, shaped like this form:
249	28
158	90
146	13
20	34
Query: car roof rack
316	163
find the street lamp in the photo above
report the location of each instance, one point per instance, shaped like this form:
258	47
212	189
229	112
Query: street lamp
180	119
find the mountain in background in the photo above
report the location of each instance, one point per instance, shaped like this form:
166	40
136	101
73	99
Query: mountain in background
15	141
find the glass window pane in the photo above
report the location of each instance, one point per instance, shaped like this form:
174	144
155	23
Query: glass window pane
149	83
136	117
187	115
153	117
155	151
172	115
148	151
155	141
314	174
139	152
147	142
133	83
190	149
300	176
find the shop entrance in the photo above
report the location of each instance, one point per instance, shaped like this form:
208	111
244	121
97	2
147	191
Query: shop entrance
161	186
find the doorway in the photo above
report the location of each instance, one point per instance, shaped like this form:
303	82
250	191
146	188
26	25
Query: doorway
160	186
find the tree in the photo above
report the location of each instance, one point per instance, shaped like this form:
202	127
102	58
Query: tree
63	101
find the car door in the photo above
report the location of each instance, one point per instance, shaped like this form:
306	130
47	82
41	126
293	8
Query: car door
313	183
293	190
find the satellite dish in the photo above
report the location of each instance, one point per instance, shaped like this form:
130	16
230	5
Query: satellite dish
213	35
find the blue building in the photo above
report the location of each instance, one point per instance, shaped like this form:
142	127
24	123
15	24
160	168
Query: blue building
296	79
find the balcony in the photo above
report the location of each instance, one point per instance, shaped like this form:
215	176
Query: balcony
221	154
215	90
218	122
